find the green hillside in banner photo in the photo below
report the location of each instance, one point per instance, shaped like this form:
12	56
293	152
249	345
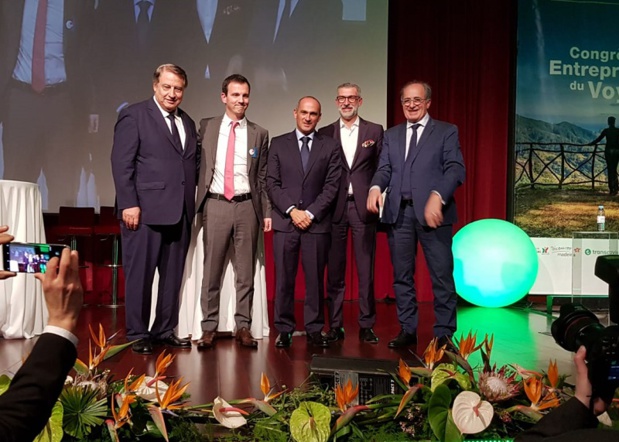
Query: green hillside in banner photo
560	180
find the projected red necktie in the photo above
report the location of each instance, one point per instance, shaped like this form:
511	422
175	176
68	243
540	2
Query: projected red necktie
38	48
229	168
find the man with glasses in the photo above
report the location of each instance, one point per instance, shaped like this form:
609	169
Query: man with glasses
420	167
361	142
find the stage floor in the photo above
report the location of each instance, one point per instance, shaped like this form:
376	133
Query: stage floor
521	336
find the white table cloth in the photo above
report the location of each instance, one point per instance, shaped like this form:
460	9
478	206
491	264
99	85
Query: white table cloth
23	312
190	311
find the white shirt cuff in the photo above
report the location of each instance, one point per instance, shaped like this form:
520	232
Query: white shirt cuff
439	195
61	332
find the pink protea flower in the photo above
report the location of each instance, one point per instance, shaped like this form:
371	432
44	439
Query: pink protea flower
497	386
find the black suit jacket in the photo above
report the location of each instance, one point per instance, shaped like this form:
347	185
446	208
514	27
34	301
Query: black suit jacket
571	422
26	406
314	191
364	166
150	171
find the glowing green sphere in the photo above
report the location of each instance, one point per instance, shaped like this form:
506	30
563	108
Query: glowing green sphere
495	263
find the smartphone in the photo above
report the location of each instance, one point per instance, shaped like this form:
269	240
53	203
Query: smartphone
29	257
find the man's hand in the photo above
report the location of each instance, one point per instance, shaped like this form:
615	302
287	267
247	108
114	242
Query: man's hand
5	238
375	201
583	387
300	219
268	224
433	211
131	217
62	290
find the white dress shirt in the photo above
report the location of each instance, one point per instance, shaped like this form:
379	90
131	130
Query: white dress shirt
349	138
177	120
241	177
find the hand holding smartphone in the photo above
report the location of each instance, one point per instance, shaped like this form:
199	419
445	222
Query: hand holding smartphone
29	257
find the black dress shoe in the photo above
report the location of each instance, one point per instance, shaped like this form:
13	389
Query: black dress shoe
403	340
447	342
175	341
143	347
284	340
367	335
317	340
334	334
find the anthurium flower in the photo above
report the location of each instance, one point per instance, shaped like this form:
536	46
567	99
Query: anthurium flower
470	414
229	417
147	389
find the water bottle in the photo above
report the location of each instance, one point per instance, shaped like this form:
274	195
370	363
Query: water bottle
601	219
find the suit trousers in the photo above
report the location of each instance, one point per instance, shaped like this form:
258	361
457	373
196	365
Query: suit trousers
403	237
150	248
231	233
364	245
314	249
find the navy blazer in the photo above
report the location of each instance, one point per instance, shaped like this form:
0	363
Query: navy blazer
365	162
314	191
150	170
437	165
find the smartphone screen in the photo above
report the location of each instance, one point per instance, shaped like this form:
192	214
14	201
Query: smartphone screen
29	257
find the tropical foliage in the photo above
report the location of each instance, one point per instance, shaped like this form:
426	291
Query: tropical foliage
441	398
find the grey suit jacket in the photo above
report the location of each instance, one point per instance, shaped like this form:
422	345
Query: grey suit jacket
437	165
257	151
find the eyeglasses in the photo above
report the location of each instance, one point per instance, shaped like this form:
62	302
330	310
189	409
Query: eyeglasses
416	101
351	99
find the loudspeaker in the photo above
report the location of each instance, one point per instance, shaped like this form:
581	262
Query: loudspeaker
373	376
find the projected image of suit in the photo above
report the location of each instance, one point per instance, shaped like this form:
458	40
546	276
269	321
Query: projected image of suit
97	54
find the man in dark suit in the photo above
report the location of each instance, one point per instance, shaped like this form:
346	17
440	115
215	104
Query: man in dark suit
420	167
154	163
26	406
361	142
303	174
233	200
45	89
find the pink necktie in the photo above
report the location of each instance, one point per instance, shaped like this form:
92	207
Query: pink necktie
229	169
38	48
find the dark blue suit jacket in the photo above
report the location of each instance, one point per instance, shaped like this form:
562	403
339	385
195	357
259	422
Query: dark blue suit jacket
437	165
150	170
314	191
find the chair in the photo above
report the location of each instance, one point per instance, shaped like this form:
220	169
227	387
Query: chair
74	222
109	227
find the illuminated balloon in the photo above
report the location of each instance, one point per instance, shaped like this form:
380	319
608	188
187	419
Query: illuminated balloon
495	263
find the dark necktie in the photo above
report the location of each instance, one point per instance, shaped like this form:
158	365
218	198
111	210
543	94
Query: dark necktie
38	48
408	164
305	152
143	21
175	135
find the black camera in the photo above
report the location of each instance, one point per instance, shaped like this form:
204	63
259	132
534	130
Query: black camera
578	326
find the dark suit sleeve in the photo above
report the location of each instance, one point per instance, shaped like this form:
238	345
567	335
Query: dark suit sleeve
26	406
453	165
324	201
382	176
280	199
569	417
124	154
262	173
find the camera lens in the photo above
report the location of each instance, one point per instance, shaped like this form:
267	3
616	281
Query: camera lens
575	326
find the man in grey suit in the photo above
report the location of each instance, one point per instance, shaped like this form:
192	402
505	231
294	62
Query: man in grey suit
233	200
304	171
154	165
419	168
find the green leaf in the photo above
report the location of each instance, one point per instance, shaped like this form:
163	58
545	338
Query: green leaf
452	433
438	410
82	410
310	422
157	415
53	429
446	372
5	381
80	367
115	349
